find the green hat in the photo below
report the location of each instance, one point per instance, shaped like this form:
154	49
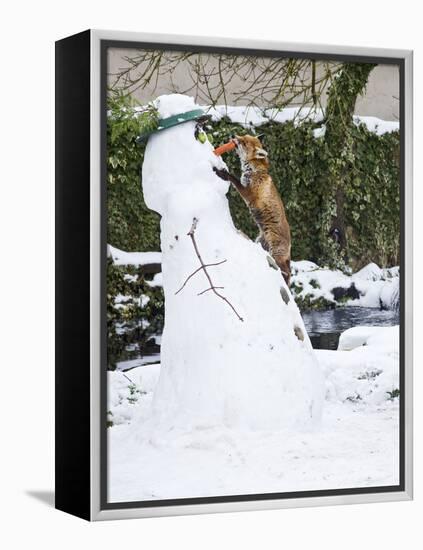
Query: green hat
151	123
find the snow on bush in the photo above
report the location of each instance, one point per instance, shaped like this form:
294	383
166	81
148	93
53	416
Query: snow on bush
370	287
250	116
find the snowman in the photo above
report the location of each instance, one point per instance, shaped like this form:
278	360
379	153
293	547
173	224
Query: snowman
235	352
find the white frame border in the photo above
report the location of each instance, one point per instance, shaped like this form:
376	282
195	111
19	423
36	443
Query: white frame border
95	268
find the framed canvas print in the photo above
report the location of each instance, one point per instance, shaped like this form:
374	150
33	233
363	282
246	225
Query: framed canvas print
233	280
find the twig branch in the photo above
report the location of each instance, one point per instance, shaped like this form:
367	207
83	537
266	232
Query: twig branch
211	288
196	271
203	267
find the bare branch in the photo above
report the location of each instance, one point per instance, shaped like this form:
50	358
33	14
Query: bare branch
196	271
255	81
203	267
211	288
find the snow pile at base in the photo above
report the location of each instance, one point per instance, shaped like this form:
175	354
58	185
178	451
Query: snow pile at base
253	116
356	444
370	287
365	369
120	257
210	358
125	392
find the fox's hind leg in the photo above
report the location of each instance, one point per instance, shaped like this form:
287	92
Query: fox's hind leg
284	264
262	240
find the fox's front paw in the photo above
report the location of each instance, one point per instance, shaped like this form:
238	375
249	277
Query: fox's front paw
222	173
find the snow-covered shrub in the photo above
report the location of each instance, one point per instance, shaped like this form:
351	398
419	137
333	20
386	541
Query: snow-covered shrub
135	309
320	288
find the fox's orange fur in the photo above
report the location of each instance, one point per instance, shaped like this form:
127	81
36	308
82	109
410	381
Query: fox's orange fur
262	198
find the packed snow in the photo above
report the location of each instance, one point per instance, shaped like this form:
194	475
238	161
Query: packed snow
210	348
356	444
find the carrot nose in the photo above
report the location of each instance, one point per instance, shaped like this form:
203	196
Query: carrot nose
225	148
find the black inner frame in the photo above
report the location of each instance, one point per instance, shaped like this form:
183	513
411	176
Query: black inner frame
104	504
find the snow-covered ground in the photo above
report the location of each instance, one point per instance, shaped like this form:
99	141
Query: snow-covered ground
355	446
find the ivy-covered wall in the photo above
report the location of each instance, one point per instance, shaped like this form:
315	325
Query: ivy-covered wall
299	167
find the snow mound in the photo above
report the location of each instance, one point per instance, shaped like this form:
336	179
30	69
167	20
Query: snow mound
365	369
303	266
381	337
370	272
210	358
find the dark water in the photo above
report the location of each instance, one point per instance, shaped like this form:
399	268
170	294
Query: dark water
323	327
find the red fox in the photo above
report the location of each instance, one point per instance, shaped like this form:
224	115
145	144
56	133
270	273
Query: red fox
262	198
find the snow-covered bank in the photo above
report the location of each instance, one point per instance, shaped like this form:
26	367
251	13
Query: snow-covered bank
355	446
365	368
322	287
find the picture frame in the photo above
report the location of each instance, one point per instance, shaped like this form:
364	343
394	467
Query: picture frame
81	281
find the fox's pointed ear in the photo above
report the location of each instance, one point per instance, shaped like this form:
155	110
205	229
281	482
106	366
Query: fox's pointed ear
260	153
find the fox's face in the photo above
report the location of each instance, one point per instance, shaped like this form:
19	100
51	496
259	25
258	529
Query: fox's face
250	149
